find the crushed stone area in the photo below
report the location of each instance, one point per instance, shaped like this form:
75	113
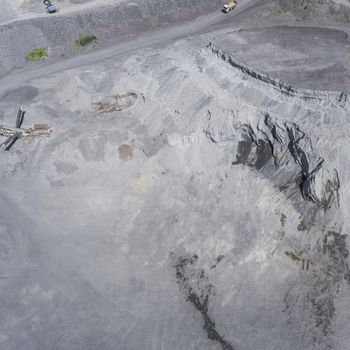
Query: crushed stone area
193	193
121	191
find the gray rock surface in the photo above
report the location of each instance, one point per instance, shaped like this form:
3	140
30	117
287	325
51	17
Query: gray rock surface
186	199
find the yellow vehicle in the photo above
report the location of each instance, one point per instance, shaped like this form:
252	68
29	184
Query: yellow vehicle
229	6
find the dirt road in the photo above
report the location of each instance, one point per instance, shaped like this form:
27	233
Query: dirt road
148	39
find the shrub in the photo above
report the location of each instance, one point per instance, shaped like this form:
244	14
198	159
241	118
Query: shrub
37	54
84	40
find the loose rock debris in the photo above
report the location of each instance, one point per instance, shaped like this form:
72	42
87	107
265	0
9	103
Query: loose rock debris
116	103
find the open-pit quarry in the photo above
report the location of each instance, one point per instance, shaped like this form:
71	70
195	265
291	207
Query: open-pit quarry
193	188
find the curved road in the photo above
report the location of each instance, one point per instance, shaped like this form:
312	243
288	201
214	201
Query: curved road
148	39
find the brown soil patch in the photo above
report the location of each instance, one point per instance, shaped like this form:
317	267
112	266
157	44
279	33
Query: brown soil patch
28	139
116	103
125	152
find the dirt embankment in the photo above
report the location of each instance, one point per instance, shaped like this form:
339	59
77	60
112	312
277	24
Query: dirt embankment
338	10
58	33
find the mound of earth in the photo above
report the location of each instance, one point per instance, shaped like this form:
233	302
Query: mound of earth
208	208
226	228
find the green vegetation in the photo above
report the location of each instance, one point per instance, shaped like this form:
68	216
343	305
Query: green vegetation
36	55
84	40
340	18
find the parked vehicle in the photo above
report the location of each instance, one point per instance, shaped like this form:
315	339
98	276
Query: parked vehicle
231	5
50	8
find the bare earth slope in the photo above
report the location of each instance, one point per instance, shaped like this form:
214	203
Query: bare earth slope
338	10
186	199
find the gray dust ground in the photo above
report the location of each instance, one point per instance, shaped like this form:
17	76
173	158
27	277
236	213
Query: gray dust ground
185	199
305	56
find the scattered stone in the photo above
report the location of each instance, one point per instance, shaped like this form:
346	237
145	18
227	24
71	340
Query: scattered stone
116	103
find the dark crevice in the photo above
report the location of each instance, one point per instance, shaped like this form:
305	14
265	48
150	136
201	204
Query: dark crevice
197	290
281	144
284	154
